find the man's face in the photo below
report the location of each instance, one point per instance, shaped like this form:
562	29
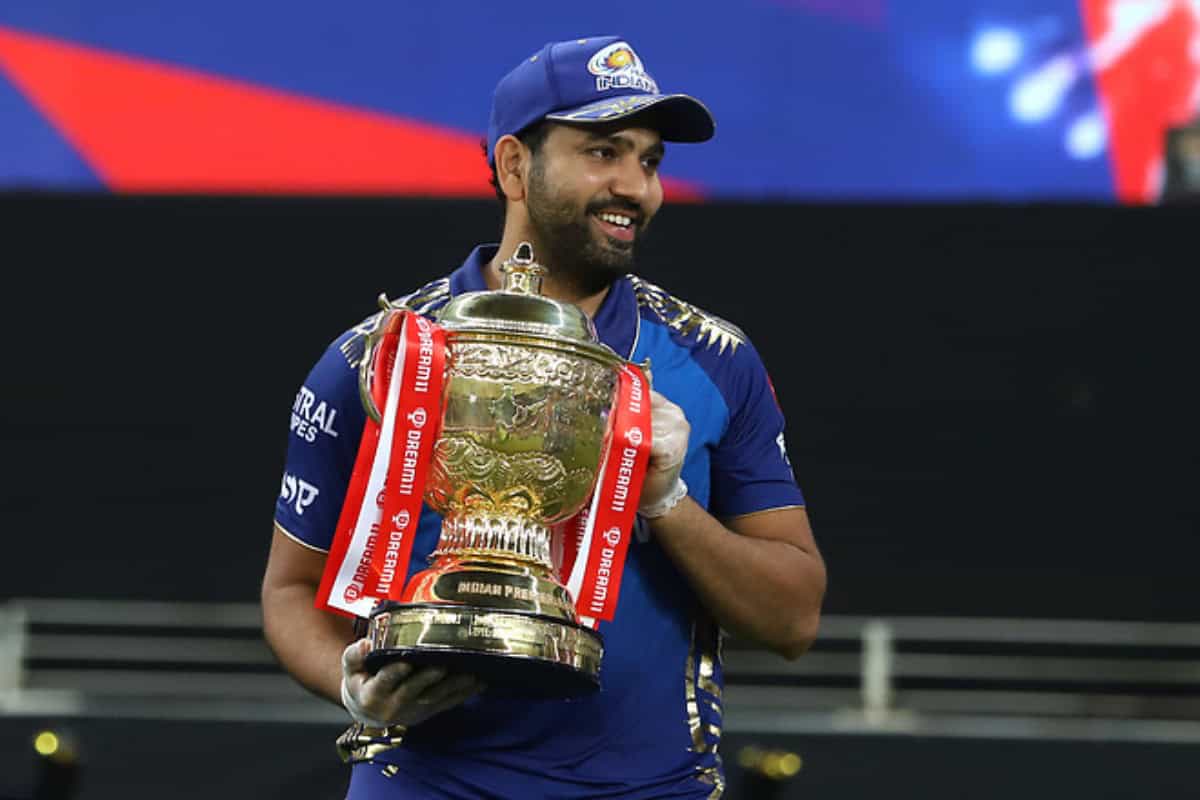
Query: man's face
590	196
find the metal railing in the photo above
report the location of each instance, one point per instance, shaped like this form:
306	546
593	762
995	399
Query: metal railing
924	675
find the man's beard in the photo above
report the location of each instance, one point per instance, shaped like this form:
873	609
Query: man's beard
576	256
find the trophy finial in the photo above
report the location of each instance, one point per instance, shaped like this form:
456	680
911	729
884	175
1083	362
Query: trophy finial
522	275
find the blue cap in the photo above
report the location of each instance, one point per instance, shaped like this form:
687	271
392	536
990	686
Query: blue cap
594	80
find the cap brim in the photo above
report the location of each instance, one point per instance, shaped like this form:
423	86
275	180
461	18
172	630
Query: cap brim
676	117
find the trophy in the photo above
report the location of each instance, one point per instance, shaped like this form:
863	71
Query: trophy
526	417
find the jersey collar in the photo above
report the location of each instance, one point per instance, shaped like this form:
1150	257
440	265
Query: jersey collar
616	321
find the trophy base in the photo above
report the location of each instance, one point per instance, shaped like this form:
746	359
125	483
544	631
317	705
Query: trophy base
516	652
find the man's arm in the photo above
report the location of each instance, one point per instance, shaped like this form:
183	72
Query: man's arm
307	641
762	577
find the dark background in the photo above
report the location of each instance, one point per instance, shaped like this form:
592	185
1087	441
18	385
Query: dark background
991	411
991	408
287	762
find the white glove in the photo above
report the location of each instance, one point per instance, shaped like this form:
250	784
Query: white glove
397	694
663	488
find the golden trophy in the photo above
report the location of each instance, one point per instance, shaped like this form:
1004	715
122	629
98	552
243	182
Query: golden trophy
526	418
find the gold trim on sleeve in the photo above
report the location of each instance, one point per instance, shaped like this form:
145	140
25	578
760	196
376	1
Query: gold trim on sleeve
699	745
706	675
420	301
354	347
713	777
298	540
709	330
704	650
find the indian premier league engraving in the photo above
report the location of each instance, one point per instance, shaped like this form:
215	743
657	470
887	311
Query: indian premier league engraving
528	413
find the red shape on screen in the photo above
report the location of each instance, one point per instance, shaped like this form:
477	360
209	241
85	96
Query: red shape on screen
145	126
1148	80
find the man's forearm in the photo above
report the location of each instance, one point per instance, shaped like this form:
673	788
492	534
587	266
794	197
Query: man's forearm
764	589
307	641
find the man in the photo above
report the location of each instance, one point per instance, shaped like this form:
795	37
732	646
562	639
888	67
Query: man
575	140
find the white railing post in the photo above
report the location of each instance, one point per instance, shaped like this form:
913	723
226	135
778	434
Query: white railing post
13	633
877	665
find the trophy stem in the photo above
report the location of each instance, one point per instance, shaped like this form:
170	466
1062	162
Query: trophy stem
491	604
510	538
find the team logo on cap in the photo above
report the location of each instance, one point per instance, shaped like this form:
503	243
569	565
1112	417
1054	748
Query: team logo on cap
613	59
618	67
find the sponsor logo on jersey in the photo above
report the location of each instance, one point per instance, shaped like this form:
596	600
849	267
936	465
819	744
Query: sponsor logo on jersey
298	492
312	417
618	67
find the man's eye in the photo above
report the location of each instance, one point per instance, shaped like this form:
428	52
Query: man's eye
652	163
603	152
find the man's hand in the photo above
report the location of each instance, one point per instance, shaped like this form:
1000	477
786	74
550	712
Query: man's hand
399	694
669	443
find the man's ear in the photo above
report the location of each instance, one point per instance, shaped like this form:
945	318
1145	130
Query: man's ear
511	167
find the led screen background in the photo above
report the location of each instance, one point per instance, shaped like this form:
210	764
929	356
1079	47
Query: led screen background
814	99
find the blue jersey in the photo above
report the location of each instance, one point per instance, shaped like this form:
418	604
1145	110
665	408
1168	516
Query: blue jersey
652	730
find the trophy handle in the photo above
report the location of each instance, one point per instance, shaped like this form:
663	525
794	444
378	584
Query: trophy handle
366	367
645	367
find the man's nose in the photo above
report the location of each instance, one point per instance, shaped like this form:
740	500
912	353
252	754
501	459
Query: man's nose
631	180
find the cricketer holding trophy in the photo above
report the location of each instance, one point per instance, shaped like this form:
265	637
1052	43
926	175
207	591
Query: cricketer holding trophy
518	643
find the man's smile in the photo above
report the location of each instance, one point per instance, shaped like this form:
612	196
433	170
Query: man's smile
619	226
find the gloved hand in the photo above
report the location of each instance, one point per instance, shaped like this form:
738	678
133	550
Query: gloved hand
669	443
399	694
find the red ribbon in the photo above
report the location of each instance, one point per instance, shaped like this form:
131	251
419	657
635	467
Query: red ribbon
417	422
602	537
380	539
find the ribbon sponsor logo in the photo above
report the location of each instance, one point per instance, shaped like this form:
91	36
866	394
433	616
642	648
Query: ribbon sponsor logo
391	558
411	483
312	417
625	469
424	357
354	589
604	575
613	536
634	439
299	492
411	456
635	395
362	572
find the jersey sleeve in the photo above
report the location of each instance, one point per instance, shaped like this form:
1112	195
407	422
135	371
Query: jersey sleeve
325	428
750	467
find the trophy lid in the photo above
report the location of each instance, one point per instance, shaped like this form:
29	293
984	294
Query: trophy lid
519	307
